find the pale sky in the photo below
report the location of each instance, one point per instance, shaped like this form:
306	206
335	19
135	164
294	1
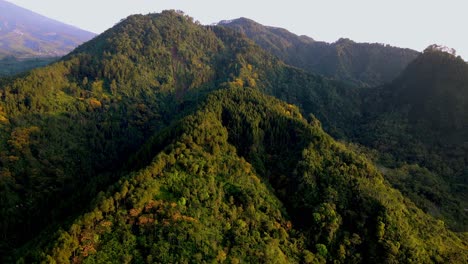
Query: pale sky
412	24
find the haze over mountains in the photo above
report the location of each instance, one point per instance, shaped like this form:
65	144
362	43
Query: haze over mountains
25	34
363	64
162	140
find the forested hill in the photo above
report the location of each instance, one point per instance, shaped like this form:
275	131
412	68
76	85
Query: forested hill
416	120
154	142
67	129
362	64
434	91
246	179
421	120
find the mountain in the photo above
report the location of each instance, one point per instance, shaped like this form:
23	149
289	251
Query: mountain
362	64
434	89
159	141
67	129
25	34
412	118
422	118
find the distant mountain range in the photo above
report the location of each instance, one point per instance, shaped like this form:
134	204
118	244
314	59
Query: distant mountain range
25	34
363	64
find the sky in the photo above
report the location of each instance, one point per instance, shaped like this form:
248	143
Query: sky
413	24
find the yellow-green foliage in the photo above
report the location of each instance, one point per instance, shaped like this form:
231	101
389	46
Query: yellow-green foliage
207	196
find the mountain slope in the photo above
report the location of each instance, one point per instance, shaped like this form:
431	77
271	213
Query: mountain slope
416	123
200	200
362	64
68	128
435	89
25	34
421	118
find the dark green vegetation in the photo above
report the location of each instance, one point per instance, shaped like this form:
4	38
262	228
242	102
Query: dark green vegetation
418	122
155	143
362	64
422	118
25	34
274	196
11	66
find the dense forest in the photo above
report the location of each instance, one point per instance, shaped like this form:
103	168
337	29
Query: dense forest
67	128
285	193
158	141
419	123
416	119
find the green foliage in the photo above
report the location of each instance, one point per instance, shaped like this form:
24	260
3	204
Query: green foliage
239	208
66	130
185	204
320	182
420	118
101	102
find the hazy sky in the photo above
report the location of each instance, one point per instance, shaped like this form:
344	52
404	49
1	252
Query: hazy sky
405	23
